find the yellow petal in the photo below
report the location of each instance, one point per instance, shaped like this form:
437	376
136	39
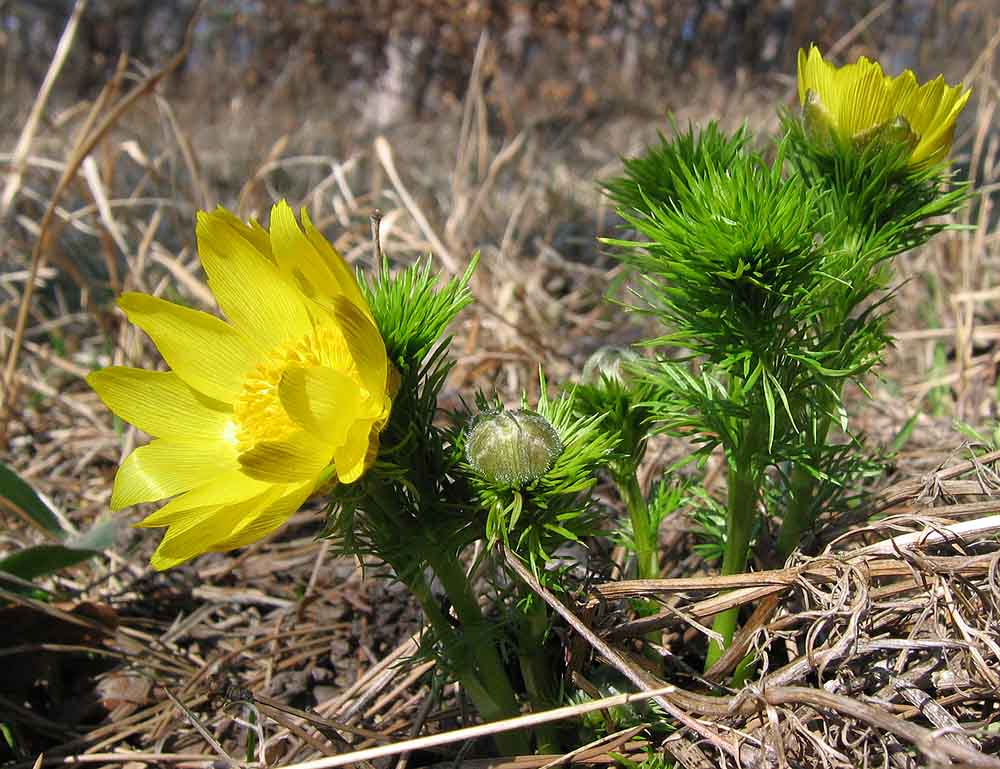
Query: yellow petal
226	488
165	468
818	76
227	527
266	520
205	352
187	538
864	103
297	458
804	79
335	263
248	286
349	459
203	529
159	403
365	343
322	401
251	231
297	257
935	108
901	92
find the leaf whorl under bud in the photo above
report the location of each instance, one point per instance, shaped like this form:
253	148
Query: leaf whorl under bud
512	448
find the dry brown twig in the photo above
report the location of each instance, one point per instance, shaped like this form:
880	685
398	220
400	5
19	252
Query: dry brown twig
472	732
86	143
23	147
858	606
383	151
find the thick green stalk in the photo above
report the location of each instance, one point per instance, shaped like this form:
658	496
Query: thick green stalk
647	541
508	743
647	547
536	668
801	514
490	690
743	494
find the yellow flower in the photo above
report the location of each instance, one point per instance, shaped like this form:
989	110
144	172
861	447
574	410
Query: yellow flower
859	102
256	414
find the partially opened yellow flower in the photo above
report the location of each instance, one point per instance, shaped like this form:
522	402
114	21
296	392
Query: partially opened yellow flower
256	414
859	102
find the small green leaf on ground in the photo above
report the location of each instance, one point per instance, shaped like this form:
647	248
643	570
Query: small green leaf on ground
40	560
18	497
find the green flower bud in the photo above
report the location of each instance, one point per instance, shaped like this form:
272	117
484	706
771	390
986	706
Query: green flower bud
896	130
818	122
512	448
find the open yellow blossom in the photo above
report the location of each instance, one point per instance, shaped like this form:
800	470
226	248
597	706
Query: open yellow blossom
257	414
859	102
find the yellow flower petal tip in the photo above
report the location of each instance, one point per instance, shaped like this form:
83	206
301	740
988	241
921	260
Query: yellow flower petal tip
860	104
283	399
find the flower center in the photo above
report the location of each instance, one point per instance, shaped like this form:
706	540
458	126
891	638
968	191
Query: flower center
258	411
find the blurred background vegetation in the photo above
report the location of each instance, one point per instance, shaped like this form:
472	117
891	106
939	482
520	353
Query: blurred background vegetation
414	57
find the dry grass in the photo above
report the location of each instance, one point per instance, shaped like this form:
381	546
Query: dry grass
883	648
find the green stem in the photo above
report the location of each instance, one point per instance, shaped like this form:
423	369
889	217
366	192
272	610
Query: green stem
481	697
799	516
537	670
647	541
647	547
801	512
490	690
740	514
